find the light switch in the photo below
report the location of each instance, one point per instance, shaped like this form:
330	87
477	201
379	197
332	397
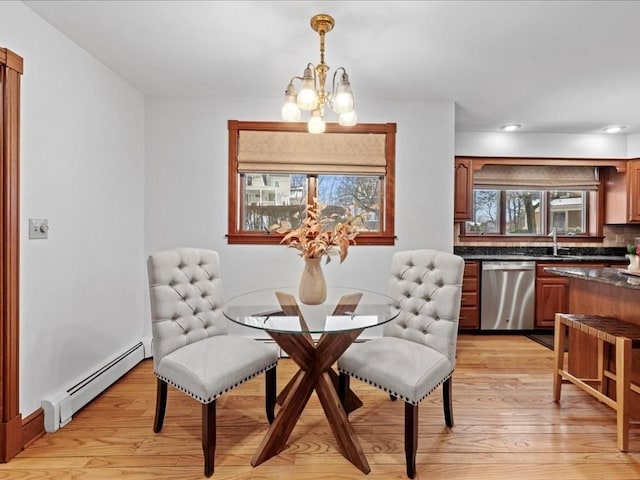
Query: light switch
38	228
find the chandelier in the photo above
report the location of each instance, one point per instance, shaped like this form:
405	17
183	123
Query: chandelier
313	95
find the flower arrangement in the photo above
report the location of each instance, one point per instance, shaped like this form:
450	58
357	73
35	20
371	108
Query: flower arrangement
320	236
633	249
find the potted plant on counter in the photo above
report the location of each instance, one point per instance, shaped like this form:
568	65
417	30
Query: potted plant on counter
634	257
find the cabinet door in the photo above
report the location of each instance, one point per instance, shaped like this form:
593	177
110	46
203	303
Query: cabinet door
633	171
463	188
622	195
552	296
469	315
469	318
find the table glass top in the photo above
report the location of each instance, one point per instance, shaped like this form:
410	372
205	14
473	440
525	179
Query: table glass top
280	310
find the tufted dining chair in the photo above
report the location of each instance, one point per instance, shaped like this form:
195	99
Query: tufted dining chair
191	348
417	350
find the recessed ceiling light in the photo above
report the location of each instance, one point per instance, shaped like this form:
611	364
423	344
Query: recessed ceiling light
614	129
512	127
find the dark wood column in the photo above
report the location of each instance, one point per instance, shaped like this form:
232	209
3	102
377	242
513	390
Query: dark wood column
11	441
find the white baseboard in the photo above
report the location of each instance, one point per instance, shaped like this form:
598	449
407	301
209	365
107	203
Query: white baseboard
59	409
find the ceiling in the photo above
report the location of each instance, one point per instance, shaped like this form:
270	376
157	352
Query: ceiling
552	66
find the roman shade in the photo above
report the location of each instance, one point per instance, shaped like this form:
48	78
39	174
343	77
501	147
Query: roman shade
301	152
537	177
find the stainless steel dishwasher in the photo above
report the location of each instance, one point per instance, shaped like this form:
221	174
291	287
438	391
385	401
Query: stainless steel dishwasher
508	295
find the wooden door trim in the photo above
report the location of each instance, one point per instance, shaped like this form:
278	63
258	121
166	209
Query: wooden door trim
11	438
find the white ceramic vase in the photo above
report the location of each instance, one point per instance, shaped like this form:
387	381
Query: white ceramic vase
313	287
634	262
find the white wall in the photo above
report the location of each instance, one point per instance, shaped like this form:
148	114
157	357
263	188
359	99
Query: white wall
503	144
82	165
186	188
634	145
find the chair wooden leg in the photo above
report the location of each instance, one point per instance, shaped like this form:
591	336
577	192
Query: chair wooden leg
447	402
410	437
623	389
209	436
270	394
344	381
161	405
559	335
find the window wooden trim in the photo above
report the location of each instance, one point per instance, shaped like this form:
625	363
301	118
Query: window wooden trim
478	162
235	236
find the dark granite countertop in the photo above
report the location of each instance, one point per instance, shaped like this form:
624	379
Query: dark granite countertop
611	276
543	254
547	258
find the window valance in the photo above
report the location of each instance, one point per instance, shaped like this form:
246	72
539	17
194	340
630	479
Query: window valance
537	177
301	152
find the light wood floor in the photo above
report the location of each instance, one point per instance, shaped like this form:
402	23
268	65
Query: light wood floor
506	426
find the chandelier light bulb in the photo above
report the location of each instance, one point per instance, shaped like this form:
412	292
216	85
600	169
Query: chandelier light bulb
343	103
308	97
343	100
290	112
316	123
348	119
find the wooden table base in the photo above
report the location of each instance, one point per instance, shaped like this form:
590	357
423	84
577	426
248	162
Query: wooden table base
315	362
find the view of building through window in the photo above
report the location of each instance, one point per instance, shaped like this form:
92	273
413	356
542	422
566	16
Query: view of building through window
270	198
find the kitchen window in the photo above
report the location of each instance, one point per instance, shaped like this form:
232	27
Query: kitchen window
528	212
511	200
276	169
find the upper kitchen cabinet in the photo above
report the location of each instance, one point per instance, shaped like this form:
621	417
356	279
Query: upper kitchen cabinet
463	206
622	200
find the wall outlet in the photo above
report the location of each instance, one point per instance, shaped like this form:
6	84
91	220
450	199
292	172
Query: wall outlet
38	228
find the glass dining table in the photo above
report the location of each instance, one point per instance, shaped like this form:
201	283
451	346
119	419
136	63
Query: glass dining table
314	337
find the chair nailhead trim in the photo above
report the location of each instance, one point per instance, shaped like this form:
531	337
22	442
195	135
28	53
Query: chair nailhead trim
205	401
395	394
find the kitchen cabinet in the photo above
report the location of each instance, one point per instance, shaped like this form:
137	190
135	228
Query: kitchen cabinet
469	305
622	195
552	291
463	190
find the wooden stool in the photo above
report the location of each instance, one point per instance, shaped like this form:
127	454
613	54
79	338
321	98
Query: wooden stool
625	337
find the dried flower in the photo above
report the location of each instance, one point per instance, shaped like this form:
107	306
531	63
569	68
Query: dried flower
318	236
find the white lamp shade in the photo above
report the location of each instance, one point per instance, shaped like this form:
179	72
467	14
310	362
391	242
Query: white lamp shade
307	99
343	99
343	102
316	123
348	119
290	112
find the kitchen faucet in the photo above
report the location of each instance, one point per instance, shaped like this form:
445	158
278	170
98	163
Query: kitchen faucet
554	235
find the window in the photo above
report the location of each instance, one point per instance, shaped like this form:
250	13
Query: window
277	169
528	212
514	200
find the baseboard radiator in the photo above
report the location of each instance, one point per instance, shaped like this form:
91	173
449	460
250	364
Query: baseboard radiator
59	410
